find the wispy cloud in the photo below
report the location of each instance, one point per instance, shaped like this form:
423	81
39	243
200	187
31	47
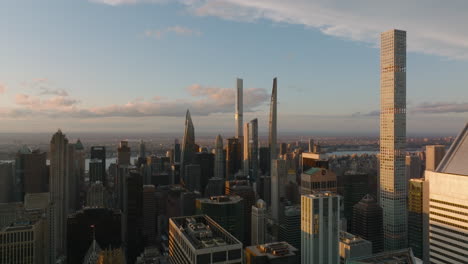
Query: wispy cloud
434	27
49	91
2	88
178	30
441	107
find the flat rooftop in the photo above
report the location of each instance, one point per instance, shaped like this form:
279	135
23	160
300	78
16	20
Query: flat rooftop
273	250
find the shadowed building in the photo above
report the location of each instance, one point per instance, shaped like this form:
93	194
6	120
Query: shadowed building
272	253
99	152
188	145
233	158
367	222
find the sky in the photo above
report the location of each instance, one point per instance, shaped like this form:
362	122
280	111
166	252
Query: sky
138	65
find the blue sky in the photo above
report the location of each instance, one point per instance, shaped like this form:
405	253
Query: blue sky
134	65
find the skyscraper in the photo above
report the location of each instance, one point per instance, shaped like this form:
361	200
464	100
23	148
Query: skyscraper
367	222
279	173
149	214
258	227
188	145
31	169
176	151
142	149
123	154
233	157
58	190
434	155
99	152
418	218
272	123
239	107
219	158
320	213
393	183
253	150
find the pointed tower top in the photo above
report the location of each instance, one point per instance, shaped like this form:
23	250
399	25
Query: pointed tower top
187	115
219	141
79	145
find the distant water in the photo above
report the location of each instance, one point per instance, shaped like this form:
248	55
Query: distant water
358	152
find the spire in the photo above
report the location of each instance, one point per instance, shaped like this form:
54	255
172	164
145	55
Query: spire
219	142
239	106
273	119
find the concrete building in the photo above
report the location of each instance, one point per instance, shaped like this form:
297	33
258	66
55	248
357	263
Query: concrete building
31	171
227	211
448	205
38	208
233	158
96	197
219	169
123	154
7	183
320	213
353	186
290	227
272	253
272	141
149	214
352	246
258	227
393	183
401	256
318	179
95	170
313	160
367	222
239	107
413	167
418	194
434	155
200	240
9	212
99	152
279	172
241	187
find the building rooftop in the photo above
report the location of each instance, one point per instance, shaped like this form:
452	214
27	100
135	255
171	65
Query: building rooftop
312	171
349	239
222	199
203	232
273	250
402	256
321	194
455	160
34	201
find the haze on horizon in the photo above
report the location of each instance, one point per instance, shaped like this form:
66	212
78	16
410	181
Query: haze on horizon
135	66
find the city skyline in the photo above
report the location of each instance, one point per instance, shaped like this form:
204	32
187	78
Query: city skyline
66	90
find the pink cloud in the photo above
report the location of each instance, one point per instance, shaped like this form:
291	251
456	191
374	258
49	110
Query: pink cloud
2	88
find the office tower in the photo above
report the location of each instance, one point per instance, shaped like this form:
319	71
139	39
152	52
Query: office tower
31	171
393	183
9	212
283	148
142	149
311	145
272	253
123	154
219	158
104	225
73	189
7	186
227	211
396	256
96	197
132	211
99	152
279	173
239	107
23	242
448	204
353	186
264	160
149	214
170	155
215	187
188	202
367	222
245	149
193	177
95	170
253	150
320	213
199	239
413	167
318	179
272	123
418	231
233	158
241	187
206	161
290	227
313	160
177	151
80	159
265	188
352	246
188	145
58	188
258	226
152	255
434	155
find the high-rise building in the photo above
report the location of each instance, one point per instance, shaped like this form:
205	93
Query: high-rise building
227	211
395	256
253	150
215	187
123	154
142	150
258	227
239	107
80	159
95	170
245	149
318	179
353	186
413	167
272	122
149	214
188	145
99	152
74	174
393	183
320	213
313	160
367	222
290	226
311	145
206	161
96	197
177	151
199	239
434	155
279	172
7	183
31	171
233	158
272	253
264	160
132	211
283	148
193	178
448	205
58	191
219	158
418	230
352	246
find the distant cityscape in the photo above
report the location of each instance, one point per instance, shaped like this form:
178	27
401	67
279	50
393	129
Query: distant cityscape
242	197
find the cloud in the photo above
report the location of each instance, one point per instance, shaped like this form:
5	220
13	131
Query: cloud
2	88
441	107
178	30
203	101
434	27
368	114
49	91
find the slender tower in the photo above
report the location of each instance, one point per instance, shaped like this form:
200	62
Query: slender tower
188	145
219	158
272	139
393	184
253	150
239	107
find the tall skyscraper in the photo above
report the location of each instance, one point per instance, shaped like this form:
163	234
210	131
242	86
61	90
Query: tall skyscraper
290	227
239	107
219	158
320	213
142	149
32	171
434	155
176	151
233	158
258	227
7	184
99	152
279	172
149	214
188	145
58	190
448	205
393	183
413	167
367	222
272	123
123	154
253	150
418	230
